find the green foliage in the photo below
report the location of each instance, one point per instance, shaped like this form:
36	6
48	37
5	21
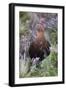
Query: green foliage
53	37
48	67
24	16
24	67
54	58
23	30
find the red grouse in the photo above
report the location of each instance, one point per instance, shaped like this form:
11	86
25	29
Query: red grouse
40	47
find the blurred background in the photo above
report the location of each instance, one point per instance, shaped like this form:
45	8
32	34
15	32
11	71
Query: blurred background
27	32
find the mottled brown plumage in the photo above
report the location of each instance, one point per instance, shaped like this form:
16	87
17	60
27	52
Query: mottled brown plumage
40	46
